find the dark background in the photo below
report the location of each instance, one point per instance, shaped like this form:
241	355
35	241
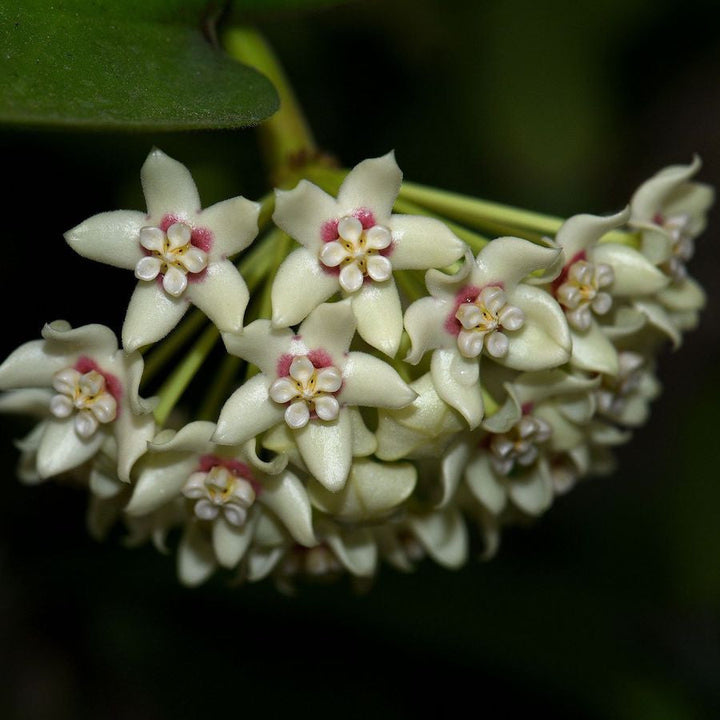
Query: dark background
608	607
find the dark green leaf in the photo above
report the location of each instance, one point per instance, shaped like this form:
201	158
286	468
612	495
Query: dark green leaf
84	64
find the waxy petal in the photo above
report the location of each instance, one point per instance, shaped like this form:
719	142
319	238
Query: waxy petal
452	467
533	492
371	382
509	260
330	327
425	324
373	184
160	481
233	224
248	412
222	295
654	193
684	296
379	316
544	340
326	449
300	285
169	188
456	380
423	242
581	232
484	484
231	542
444	536
303	211
195	558
372	490
355	548
62	449
132	433
633	273
110	237
151	315
286	496
263	345
592	351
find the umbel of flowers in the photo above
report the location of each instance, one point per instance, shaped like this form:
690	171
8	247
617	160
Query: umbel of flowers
396	386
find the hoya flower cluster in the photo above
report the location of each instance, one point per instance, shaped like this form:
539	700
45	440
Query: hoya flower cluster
394	386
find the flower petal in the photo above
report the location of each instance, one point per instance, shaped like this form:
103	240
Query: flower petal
62	449
230	542
423	242
370	382
195	558
456	380
263	345
355	548
533	492
592	351
300	285
326	449
247	412
222	295
168	186
425	324
372	491
509	260
373	184
330	327
364	442
443	535
581	232
544	340
286	496
484	484
110	237
151	315
233	223
302	212
161	480
634	273
379	316
132	433
684	296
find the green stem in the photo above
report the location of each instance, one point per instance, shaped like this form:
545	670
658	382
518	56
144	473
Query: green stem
496	217
469	209
182	375
286	138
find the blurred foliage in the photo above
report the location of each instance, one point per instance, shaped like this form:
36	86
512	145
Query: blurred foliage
608	608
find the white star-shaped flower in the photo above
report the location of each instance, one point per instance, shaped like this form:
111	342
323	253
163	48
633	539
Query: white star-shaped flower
352	244
487	309
309	381
670	210
178	252
225	486
594	275
89	389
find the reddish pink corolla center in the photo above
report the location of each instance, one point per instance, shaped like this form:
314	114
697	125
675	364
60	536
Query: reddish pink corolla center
318	357
562	277
467	294
329	233
233	466
658	218
85	364
526	408
200	237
